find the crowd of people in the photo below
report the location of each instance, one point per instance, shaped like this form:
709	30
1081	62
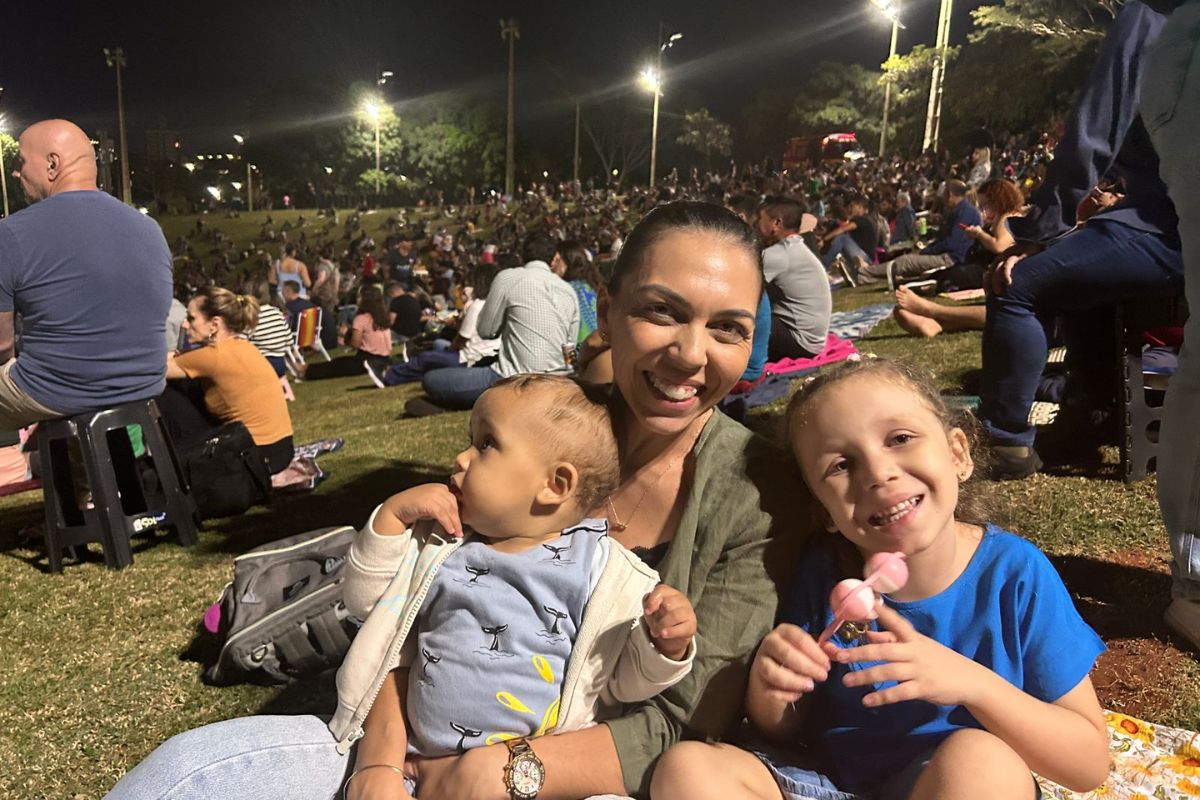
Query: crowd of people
622	551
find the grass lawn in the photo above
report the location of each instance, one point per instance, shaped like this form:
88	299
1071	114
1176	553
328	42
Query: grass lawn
91	673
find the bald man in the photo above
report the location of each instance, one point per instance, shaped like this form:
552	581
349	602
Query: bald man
90	279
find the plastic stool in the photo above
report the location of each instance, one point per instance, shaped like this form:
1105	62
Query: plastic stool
109	519
1140	420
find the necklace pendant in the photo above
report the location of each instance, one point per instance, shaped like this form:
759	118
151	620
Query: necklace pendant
617	526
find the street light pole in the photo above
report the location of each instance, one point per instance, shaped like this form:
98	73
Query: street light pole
241	140
378	172
890	9
654	135
933	115
116	58
3	174
575	162
510	32
656	85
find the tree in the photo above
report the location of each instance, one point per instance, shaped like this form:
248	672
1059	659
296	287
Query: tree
1063	27
840	97
618	136
705	134
9	149
766	124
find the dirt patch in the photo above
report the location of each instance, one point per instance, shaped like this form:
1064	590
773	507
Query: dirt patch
1123	598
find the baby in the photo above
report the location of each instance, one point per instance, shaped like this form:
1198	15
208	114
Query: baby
536	622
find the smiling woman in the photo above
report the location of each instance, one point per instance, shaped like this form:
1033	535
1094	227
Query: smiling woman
713	508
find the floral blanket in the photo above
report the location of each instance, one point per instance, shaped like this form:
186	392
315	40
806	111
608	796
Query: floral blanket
1150	762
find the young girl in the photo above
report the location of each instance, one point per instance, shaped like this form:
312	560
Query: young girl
976	672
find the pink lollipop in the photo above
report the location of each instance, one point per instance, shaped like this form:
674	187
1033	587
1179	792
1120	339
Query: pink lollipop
854	599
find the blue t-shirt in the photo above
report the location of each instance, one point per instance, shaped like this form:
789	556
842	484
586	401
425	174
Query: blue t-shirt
762	338
953	242
1008	611
91	279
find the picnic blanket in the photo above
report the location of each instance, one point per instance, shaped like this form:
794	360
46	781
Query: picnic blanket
858	322
777	376
1150	762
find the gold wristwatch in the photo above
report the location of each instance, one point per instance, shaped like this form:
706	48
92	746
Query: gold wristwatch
524	774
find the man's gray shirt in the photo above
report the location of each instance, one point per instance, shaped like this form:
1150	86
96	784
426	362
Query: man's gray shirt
799	290
535	313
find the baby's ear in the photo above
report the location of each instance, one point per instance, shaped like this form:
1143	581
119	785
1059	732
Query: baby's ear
561	484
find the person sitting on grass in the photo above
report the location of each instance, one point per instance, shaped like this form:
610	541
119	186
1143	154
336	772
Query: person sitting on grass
949	249
225	379
975	673
468	349
369	335
537	622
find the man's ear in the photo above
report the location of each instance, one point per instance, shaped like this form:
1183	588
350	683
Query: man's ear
53	165
960	448
561	485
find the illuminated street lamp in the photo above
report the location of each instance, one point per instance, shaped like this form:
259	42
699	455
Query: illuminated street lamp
891	10
241	140
215	192
652	81
374	112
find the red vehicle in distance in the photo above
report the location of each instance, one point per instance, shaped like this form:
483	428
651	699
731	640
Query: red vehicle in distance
809	150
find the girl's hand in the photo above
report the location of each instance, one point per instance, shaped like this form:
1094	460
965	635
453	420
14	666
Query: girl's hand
922	668
428	501
788	664
670	619
378	784
972	231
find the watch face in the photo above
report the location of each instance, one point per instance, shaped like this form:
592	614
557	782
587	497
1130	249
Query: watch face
527	776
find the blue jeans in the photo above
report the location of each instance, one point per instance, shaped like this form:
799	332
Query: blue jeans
1171	111
253	757
420	363
846	247
1090	269
458	387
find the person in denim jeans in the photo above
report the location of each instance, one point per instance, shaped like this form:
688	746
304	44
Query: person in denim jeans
1171	109
1129	250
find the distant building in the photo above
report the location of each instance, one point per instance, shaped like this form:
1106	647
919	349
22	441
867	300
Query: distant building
162	146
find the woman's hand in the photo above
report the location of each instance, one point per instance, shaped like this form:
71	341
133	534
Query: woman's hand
670	619
478	774
379	783
788	665
973	231
922	668
428	501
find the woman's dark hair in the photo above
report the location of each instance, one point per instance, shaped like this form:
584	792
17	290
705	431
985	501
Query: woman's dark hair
371	302
579	266
481	279
682	215
974	499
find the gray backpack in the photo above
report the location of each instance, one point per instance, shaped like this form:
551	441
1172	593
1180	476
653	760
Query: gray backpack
282	618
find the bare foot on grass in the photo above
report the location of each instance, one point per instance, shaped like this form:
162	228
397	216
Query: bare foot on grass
909	300
916	324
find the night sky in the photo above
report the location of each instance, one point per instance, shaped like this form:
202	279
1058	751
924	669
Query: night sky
209	69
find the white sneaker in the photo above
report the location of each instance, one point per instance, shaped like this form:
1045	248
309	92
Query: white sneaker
1183	618
375	379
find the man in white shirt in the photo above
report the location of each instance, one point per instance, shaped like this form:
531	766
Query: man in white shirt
533	312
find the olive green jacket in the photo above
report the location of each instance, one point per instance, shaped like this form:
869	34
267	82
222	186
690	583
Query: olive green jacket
732	555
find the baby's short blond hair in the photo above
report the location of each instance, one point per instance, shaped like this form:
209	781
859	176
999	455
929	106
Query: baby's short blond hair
578	429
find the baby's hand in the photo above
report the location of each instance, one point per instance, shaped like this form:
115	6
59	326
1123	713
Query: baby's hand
788	664
670	619
923	668
428	501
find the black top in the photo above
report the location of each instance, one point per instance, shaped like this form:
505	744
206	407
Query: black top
408	315
866	234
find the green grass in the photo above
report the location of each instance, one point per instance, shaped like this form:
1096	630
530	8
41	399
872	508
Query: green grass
91	675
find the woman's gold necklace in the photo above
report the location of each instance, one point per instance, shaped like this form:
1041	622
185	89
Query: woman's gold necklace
615	520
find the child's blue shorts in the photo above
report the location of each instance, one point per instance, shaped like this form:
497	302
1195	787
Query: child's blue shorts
798	781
